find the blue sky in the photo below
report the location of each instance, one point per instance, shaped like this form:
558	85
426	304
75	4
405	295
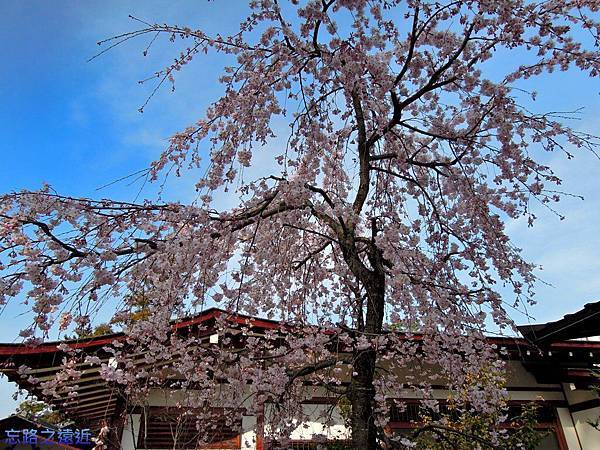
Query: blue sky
75	125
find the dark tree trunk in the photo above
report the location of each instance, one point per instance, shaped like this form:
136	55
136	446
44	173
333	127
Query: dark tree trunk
362	390
362	393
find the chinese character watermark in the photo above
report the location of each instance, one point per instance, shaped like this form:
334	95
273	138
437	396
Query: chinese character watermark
47	436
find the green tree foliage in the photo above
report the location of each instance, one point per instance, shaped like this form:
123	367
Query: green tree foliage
480	432
137	310
39	411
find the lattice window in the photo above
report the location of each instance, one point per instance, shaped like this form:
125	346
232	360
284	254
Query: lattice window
168	429
308	445
413	412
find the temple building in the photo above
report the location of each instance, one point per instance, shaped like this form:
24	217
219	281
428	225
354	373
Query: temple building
553	364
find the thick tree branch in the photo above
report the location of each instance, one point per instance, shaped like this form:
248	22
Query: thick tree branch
363	153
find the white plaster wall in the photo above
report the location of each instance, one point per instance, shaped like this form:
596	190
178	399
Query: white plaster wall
248	437
307	430
575	396
131	431
588	435
568	428
190	398
534	395
517	375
